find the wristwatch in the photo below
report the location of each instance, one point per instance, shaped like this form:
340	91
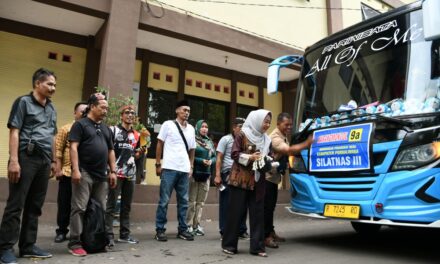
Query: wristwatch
157	165
112	172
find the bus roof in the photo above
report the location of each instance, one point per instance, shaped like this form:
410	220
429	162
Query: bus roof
364	24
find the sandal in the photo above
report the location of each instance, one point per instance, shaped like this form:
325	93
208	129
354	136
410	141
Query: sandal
260	254
229	252
270	243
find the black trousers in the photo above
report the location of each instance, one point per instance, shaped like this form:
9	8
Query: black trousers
125	188
26	196
270	201
223	208
64	202
241	200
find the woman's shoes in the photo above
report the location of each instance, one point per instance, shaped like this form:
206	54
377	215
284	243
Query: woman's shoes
229	252
260	254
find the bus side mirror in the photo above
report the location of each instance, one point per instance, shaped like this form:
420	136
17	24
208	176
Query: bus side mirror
273	73
431	19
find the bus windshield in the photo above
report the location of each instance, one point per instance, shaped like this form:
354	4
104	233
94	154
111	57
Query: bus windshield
379	63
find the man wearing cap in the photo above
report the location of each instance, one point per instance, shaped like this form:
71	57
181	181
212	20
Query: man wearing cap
127	149
91	151
222	170
177	141
63	172
32	129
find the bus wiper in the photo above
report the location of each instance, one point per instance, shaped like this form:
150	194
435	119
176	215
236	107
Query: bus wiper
301	136
396	120
406	124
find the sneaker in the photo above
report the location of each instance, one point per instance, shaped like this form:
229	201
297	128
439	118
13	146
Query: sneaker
8	257
161	236
59	238
244	236
111	244
191	230
199	231
35	252
185	235
129	240
79	252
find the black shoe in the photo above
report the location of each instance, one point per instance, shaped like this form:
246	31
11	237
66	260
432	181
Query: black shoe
111	244
161	236
185	235
244	236
129	240
59	238
35	252
8	257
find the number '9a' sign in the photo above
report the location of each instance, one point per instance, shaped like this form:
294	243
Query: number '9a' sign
341	149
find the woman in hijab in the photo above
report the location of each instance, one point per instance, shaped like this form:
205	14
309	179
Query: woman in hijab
204	160
246	183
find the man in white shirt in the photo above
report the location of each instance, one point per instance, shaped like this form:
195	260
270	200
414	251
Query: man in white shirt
177	141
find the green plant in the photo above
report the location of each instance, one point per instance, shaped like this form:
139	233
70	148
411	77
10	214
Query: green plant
114	106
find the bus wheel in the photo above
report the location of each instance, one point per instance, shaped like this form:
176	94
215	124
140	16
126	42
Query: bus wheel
365	228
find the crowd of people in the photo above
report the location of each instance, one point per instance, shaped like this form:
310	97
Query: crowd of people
91	160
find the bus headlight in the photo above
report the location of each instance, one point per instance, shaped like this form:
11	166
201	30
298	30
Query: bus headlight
415	157
296	164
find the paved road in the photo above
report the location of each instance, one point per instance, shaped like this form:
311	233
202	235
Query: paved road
308	241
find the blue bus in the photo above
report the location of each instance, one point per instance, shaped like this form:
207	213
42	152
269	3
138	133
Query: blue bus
370	95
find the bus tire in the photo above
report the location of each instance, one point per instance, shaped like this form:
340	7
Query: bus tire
365	228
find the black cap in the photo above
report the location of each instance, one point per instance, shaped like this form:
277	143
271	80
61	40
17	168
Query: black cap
182	103
239	121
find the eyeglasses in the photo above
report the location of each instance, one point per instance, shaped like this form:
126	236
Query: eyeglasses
130	112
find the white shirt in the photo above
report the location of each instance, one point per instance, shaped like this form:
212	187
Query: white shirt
175	156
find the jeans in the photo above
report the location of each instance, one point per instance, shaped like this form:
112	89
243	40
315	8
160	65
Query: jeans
125	187
26	196
169	180
223	207
64	199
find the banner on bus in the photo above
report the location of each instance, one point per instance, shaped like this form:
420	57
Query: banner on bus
341	149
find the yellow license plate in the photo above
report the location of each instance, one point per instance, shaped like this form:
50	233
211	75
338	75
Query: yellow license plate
342	211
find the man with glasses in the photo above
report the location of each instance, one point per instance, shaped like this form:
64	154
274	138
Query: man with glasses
91	151
127	149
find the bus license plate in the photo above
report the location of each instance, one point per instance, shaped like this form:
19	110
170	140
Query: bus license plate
342	211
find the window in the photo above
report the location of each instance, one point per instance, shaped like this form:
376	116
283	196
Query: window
214	112
244	110
160	109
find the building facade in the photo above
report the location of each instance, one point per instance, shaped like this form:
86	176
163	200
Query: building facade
215	55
